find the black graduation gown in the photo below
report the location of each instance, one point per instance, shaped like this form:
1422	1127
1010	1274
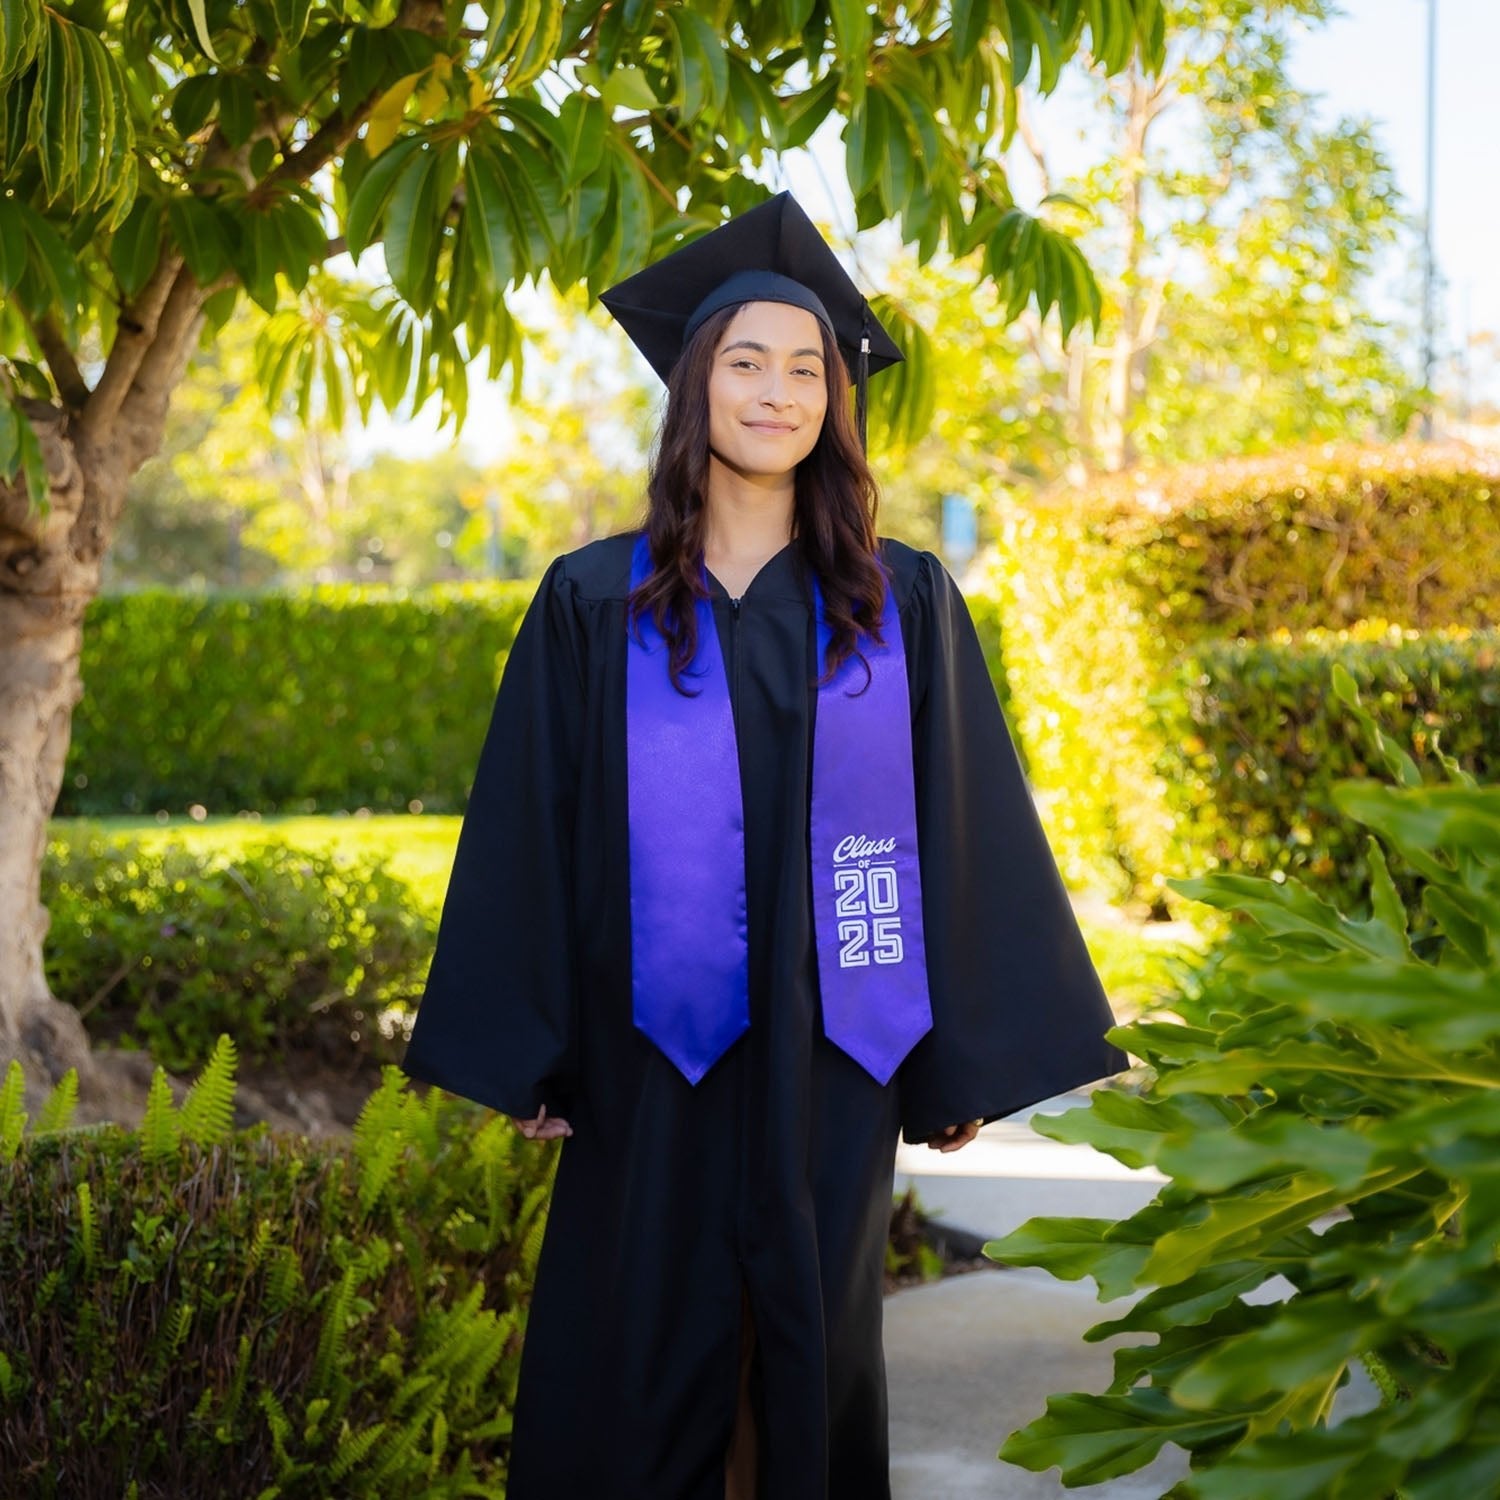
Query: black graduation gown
777	1167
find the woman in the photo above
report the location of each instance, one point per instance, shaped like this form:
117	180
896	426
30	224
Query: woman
748	886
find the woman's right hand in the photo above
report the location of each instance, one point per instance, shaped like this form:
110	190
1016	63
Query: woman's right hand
542	1128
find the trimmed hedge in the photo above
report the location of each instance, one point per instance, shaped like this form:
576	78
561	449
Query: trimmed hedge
1255	743
327	699
1104	593
278	947
336	696
185	1302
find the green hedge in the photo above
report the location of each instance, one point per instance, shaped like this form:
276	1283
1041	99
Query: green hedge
337	696
184	1302
1255	742
1103	592
333	698
278	947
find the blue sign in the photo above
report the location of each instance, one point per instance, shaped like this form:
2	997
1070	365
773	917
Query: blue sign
960	530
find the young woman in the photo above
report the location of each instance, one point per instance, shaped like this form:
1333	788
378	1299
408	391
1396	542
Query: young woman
749	886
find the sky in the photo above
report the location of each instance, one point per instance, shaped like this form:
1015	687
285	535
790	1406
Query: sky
1370	61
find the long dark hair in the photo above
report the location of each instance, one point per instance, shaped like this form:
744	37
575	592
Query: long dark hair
833	519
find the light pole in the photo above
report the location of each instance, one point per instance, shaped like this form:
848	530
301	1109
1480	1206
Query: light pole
1427	268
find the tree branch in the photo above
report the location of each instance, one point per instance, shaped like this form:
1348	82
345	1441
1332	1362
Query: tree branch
71	385
135	331
1033	142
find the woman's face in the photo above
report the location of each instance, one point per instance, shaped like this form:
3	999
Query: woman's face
767	389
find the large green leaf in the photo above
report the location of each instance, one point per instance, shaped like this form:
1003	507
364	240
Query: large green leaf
375	187
1094	1438
1074	1248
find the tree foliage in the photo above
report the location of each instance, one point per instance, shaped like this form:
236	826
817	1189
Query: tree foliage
177	153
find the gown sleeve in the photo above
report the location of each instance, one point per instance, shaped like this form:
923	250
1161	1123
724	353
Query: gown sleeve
497	1021
1019	1013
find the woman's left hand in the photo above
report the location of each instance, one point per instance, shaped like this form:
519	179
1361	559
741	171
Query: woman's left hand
953	1137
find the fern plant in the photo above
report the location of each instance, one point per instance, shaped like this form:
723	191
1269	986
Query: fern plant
327	1319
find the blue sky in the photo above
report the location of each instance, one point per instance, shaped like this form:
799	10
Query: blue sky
1370	61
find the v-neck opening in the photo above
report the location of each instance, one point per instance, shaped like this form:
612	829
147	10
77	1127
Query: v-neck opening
755	577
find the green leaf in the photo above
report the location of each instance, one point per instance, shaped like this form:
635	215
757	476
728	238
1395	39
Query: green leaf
970	20
1309	1341
368	203
192	102
53	126
199	235
583	123
198	11
291	19
1187	1302
237	108
55	264
1093	1438
411	230
1233	1226
12	245
22	29
136	245
702	65
1073	1248
96	107
486	209
1271	1144
536	52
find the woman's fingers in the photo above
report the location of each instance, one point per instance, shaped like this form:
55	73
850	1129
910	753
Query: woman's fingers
544	1128
952	1137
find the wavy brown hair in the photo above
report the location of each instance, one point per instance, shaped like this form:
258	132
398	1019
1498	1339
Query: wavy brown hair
833	520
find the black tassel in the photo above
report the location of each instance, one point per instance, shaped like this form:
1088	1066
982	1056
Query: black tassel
863	376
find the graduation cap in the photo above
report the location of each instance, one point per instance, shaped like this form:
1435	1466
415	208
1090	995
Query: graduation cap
770	253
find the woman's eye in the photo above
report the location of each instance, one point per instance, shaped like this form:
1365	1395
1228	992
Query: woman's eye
803	370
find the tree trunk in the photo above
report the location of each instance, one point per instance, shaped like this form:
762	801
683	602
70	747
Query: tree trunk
44	589
1119	450
50	568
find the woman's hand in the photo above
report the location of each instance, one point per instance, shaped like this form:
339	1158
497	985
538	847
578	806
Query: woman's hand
543	1129
954	1137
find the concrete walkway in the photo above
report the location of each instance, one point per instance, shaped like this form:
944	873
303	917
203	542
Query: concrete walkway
973	1357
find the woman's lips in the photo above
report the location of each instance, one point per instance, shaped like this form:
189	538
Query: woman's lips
769	427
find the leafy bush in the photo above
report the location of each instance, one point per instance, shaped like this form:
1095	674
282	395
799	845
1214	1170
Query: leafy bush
331	697
1327	1111
182	1302
275	946
1104	589
1253	742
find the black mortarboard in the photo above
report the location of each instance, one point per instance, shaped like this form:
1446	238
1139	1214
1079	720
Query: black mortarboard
770	253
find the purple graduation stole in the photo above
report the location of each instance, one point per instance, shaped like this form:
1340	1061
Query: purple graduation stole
690	962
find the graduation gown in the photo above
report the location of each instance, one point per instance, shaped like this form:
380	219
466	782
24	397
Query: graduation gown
775	1170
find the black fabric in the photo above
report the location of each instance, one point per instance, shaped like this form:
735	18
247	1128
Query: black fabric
777	1167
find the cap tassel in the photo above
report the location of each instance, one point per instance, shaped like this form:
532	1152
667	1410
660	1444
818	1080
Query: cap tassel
863	374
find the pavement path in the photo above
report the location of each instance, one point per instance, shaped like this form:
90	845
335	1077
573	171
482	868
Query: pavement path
972	1357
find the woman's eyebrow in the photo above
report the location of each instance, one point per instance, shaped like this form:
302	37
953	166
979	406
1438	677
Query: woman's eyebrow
764	349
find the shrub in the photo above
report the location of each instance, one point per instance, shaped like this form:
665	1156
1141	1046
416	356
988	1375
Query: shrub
331	697
1327	1109
1253	743
277	947
182	1301
1103	591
